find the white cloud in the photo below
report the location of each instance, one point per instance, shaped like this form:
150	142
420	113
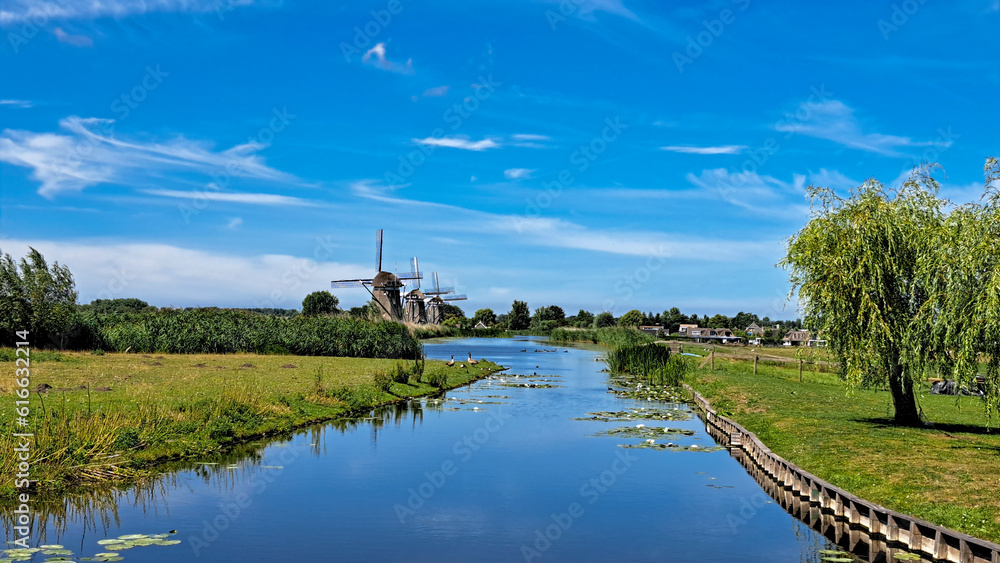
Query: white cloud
558	233
760	194
24	104
22	10
459	143
167	275
235	223
517	173
436	91
530	137
376	57
75	40
615	7
232	197
721	149
835	121
87	153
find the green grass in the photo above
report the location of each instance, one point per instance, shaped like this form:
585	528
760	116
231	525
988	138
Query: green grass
948	474
611	337
167	407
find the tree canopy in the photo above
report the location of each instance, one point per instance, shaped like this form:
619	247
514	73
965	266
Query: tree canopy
632	318
36	297
485	316
320	303
899	284
519	317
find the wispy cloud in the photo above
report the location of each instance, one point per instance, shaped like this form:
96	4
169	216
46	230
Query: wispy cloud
756	193
74	40
614	7
559	233
459	143
24	104
435	91
517	173
530	137
87	153
21	10
376	58
721	149
233	197
234	223
835	121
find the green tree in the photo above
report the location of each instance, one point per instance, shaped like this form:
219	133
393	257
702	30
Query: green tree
36	297
584	319
718	321
519	317
320	303
632	318
961	319
485	316
603	320
449	311
855	267
120	305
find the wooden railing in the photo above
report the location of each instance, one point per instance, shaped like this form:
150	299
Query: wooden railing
806	493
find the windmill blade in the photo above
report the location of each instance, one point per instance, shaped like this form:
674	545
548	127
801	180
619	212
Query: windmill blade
348	283
462	297
441	291
378	250
415	266
409	276
437	284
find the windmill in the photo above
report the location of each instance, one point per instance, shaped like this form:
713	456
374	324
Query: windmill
415	302
384	287
435	311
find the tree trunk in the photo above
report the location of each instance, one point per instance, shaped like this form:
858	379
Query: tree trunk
902	395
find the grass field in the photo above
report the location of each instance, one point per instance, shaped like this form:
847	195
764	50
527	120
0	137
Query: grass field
948	474
111	418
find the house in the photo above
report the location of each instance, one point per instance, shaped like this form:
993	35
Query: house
480	324
754	330
685	328
724	335
651	329
796	338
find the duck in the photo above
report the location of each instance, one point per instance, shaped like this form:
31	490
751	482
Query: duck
471	361
451	362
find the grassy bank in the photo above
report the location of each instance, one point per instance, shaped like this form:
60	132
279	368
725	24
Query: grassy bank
111	418
947	474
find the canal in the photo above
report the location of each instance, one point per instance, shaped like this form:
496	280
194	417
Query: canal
509	469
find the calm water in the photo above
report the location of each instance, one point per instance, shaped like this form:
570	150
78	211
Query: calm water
458	481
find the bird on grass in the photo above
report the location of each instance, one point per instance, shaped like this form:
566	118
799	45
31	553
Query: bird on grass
471	361
451	362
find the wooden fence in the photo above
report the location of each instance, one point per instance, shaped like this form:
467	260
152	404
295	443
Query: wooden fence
839	515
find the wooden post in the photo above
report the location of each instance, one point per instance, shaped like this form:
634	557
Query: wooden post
755	358
713	359
800	370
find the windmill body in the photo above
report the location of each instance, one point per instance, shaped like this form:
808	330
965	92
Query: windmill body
385	288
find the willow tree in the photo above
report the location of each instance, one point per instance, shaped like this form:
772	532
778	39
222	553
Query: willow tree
961	319
856	266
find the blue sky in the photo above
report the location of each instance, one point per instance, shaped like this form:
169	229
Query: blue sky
596	154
